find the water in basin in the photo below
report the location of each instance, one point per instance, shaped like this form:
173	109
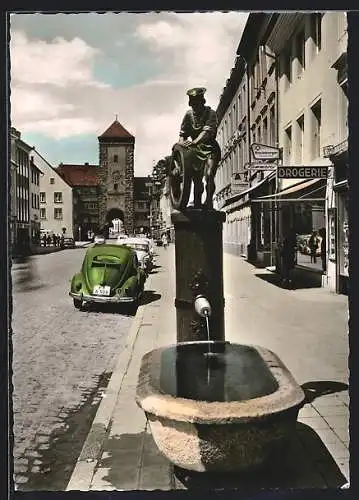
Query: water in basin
232	372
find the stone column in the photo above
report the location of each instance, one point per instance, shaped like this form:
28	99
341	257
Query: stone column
199	269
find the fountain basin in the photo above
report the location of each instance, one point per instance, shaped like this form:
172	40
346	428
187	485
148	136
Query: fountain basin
216	406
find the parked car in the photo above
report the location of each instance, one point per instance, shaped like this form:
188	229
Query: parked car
121	239
68	243
109	274
142	249
99	239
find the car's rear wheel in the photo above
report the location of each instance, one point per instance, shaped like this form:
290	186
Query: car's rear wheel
77	303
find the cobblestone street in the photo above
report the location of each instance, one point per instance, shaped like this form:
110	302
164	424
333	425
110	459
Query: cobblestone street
62	358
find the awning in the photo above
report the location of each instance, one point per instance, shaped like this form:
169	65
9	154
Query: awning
240	195
306	191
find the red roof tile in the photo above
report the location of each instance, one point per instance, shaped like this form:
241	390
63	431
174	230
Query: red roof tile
79	175
116	131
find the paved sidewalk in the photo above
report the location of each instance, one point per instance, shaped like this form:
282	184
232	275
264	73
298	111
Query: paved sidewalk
306	328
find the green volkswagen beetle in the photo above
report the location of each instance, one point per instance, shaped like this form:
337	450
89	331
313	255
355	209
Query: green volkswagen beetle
109	274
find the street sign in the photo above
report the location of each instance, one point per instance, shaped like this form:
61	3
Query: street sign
299	172
264	152
262	166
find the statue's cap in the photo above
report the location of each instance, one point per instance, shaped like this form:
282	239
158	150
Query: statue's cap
196	92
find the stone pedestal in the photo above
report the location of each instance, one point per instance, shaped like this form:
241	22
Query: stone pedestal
199	270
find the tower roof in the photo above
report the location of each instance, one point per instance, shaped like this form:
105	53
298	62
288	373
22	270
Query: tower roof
117	132
79	175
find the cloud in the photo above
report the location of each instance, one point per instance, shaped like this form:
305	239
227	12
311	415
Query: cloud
54	91
59	62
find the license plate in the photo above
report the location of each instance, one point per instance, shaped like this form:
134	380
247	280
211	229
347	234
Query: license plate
102	290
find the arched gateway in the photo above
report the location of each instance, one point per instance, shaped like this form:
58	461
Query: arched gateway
116	173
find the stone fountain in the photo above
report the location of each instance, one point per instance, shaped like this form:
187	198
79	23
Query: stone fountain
211	405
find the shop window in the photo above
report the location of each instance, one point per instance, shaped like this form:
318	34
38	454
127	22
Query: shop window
316	115
300	141
42	197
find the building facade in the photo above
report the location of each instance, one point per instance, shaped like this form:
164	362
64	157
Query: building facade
247	114
165	208
56	201
25	223
34	200
313	131
84	181
13	192
115	176
141	205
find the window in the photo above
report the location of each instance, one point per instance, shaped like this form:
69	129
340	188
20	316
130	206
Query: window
259	132
288	144
300	141
58	213
272	126
52	180
287	66
316	112
252	83
57	197
115	187
42	197
42	213
316	30
265	131
300	51
115	158
343	109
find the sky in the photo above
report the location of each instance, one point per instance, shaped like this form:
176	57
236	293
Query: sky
71	74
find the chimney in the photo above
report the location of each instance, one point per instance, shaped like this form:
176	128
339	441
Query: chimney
86	163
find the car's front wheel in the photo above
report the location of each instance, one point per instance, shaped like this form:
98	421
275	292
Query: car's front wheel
77	303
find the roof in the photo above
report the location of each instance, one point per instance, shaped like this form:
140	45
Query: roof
49	165
119	251
79	175
116	131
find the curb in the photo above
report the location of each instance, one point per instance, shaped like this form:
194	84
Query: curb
85	466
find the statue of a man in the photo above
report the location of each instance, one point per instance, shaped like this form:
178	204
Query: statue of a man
200	124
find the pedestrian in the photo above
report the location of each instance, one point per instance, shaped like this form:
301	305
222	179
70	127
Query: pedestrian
164	240
323	249
44	239
313	246
288	254
54	239
48	240
62	244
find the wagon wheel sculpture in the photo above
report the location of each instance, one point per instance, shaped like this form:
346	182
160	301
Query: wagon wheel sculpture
180	175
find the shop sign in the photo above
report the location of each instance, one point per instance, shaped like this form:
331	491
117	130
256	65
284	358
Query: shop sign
332	238
293	172
335	150
264	152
